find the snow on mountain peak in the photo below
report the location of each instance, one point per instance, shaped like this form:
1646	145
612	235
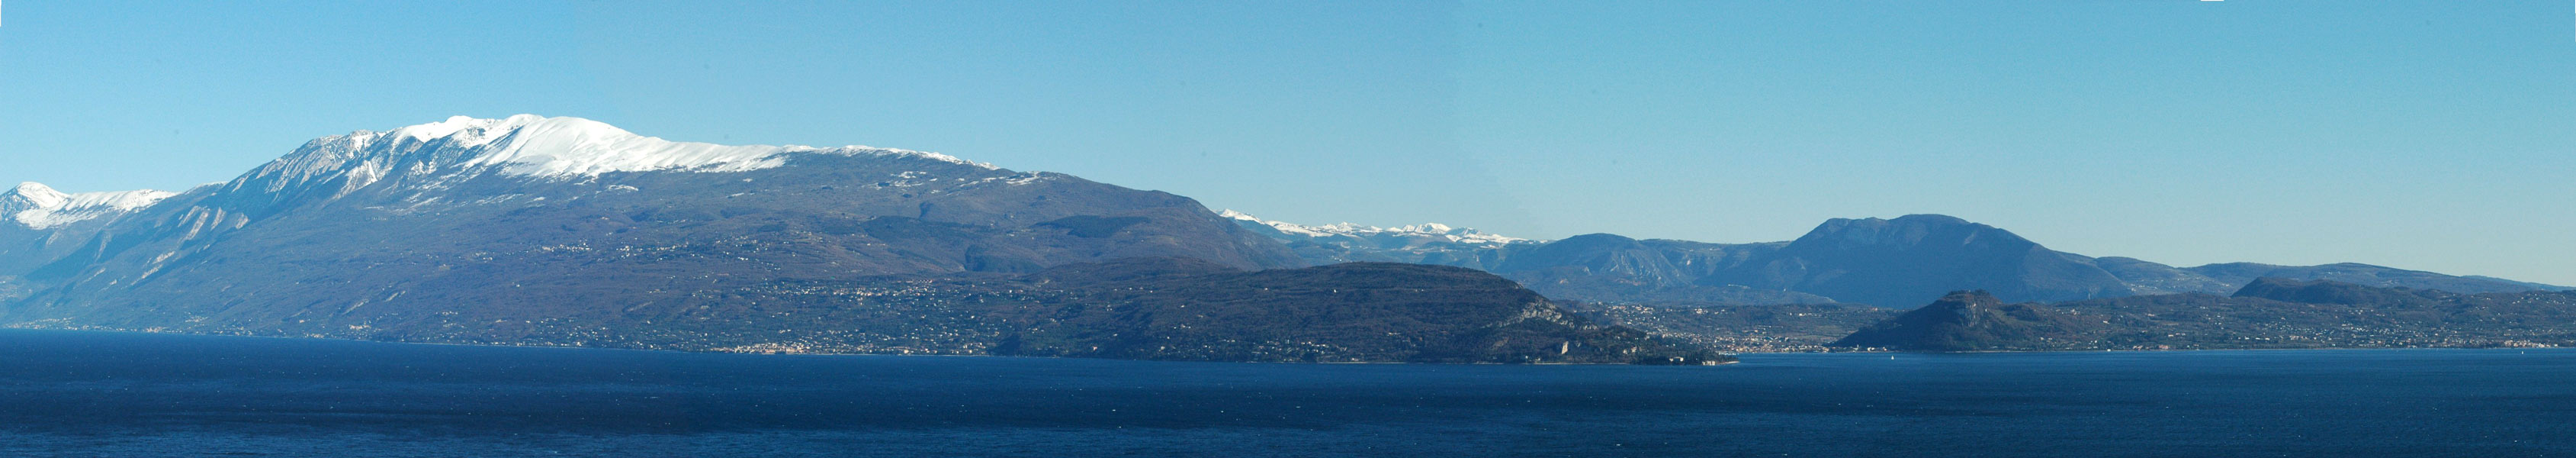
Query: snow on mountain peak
41	207
565	147
580	147
1429	230
32	195
453	124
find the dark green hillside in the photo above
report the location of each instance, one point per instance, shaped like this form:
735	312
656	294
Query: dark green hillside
2332	292
2244	273
1742	328
1376	312
2269	313
1974	320
1141	308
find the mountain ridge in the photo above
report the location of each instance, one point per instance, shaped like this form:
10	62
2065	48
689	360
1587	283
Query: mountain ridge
38	224
36	206
515	228
562	231
1971	320
1879	261
437	202
2266	313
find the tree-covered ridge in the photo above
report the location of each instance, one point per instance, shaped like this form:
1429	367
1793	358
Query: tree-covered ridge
2267	313
1137	308
1357	312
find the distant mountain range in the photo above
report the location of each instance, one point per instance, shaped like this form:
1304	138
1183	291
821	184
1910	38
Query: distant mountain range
39	224
1886	262
533	230
566	231
2267	313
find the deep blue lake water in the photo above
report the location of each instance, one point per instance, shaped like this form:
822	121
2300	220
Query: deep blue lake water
118	394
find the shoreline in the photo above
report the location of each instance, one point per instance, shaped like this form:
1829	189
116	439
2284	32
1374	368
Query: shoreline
2177	350
1739	356
21	327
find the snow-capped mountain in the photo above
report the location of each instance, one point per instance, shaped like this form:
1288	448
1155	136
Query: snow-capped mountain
37	206
1873	261
565	231
529	229
1419	244
558	147
523	146
418	230
1429	232
38	224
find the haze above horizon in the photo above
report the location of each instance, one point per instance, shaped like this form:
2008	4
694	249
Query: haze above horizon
2416	134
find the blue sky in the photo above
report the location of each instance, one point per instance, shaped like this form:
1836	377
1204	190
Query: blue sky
2437	135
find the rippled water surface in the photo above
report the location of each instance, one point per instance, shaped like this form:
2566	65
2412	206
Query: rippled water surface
117	394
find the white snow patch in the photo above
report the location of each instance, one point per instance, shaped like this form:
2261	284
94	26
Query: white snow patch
33	195
575	147
1435	231
436	130
41	207
569	147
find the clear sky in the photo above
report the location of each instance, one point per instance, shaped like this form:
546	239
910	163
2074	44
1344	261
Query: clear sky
2437	135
